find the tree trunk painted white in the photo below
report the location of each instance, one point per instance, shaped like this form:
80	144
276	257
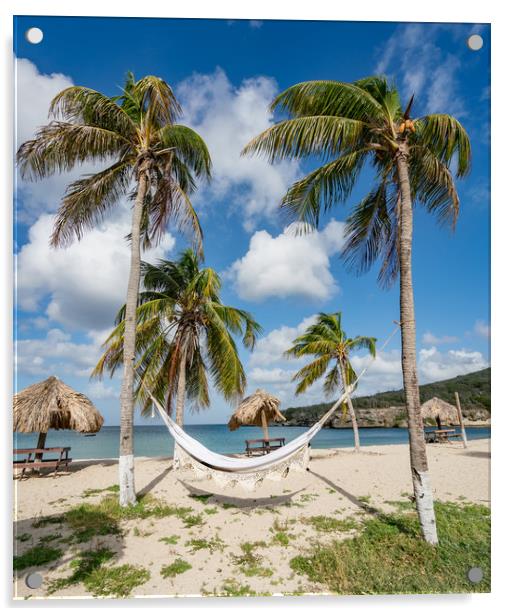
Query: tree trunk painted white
352	413
417	448
264	425
127	494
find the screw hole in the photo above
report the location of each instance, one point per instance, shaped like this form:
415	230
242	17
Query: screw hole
475	42
34	35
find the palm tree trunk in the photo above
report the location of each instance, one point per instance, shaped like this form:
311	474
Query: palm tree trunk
417	448
180	401
180	394
127	494
352	413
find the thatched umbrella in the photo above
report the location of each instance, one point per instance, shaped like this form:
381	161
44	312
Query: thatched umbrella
441	411
53	405
258	409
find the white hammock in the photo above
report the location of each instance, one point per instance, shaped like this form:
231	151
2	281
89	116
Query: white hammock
219	462
248	472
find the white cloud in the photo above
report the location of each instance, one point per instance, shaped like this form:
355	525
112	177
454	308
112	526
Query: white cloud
434	365
481	328
34	92
271	375
100	391
289	264
383	373
270	348
430	338
56	354
84	285
415	58
228	117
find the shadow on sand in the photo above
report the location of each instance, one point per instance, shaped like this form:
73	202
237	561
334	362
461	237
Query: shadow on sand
239	502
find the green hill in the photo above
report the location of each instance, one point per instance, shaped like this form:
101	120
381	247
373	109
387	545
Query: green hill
474	392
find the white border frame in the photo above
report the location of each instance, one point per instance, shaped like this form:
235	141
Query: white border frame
470	11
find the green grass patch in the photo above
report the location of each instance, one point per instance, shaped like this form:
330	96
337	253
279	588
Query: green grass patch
24	537
49	538
36	556
82	567
282	538
115	581
175	568
405	505
211	545
233	588
171	540
93	491
103	518
326	524
249	561
88	521
48	520
390	557
211	510
307	498
192	520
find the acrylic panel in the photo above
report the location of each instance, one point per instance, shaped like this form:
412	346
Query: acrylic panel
252	308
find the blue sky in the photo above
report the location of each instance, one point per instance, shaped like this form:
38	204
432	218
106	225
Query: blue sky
225	74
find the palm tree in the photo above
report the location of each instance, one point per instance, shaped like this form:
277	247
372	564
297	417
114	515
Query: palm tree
184	336
146	155
351	126
326	340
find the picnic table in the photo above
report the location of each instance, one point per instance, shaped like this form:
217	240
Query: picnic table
34	458
441	436
261	445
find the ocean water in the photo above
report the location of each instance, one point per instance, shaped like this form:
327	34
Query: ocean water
156	441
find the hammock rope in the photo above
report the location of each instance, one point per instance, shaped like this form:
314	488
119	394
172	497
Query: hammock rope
215	462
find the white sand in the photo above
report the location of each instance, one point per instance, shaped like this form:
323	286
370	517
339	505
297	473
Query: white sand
337	479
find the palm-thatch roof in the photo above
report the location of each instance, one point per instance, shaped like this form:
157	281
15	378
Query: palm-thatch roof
251	410
53	405
435	407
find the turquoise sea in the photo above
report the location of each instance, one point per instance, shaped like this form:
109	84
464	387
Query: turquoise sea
154	440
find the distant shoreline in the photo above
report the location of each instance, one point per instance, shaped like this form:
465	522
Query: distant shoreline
480	424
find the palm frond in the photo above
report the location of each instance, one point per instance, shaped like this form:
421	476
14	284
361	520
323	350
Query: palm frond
87	200
171	203
367	230
157	101
362	342
59	146
433	184
310	373
334	98
445	137
323	188
323	136
332	381
80	105
188	146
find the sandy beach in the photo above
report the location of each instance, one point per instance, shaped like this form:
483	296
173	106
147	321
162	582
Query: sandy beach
277	518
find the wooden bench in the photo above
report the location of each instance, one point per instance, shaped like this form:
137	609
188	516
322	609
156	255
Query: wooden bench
261	445
35	459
